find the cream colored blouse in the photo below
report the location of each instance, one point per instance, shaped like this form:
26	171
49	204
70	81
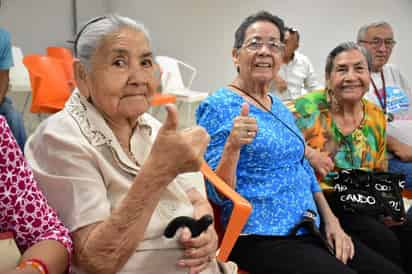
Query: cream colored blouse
85	173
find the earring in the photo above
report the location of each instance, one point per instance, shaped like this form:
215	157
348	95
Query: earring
332	100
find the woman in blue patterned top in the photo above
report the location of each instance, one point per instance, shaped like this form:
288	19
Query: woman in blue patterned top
258	150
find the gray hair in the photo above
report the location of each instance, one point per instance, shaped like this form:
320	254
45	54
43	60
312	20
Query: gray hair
92	33
364	29
261	16
346	46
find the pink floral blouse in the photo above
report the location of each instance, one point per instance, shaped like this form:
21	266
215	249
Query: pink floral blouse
23	207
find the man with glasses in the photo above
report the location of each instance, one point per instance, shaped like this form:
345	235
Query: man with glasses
296	76
390	90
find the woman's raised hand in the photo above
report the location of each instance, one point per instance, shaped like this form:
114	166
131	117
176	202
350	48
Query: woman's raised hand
178	151
244	128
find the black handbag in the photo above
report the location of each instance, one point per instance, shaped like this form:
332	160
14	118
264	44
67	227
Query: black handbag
377	194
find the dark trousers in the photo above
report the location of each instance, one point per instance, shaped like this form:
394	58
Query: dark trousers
394	243
304	255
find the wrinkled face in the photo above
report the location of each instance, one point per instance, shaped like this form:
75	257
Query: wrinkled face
349	78
375	42
256	63
123	75
291	43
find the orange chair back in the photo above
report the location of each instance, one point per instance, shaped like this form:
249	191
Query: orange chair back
238	218
66	56
50	89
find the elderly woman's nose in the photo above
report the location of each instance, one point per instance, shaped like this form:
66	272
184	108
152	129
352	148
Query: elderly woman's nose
350	75
138	74
264	49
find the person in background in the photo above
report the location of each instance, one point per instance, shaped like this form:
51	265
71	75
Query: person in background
390	90
13	117
296	75
258	150
116	175
348	131
39	234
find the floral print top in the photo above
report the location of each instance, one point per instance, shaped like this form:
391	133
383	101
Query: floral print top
272	172
23	207
364	148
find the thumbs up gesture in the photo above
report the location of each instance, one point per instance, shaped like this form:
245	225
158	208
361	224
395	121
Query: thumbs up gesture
244	128
176	151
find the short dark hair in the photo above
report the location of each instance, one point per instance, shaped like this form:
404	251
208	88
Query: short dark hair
294	31
258	17
346	46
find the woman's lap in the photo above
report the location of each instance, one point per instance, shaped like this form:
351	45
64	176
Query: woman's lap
304	254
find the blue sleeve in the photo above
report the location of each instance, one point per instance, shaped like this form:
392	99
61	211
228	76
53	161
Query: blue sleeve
213	120
314	181
6	57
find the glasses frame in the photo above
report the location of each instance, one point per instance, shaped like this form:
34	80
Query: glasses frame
376	43
279	46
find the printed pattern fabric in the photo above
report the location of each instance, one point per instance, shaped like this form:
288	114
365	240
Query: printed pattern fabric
272	173
23	207
363	149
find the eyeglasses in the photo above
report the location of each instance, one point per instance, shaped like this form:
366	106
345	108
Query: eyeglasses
389	43
256	44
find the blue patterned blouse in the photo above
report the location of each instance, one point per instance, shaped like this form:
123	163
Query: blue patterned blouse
272	173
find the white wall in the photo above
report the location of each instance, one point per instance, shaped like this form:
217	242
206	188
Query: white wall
36	24
200	32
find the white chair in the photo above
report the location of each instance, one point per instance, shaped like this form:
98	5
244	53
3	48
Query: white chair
172	80
19	80
177	79
19	76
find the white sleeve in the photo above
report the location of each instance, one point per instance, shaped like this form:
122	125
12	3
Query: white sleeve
311	82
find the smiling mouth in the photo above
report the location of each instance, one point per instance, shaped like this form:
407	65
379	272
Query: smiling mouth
263	65
134	95
351	87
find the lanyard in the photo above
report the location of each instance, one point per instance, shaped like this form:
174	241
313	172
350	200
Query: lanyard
381	98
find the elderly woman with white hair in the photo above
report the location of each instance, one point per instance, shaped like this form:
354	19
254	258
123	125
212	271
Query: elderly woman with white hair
116	176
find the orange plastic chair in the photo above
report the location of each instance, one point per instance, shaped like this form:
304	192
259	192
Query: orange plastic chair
162	99
240	214
66	56
50	89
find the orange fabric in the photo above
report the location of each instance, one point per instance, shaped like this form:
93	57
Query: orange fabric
50	89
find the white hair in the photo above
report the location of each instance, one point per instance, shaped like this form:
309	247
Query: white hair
89	37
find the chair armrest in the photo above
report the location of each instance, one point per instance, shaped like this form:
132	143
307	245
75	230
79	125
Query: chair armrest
240	213
162	99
